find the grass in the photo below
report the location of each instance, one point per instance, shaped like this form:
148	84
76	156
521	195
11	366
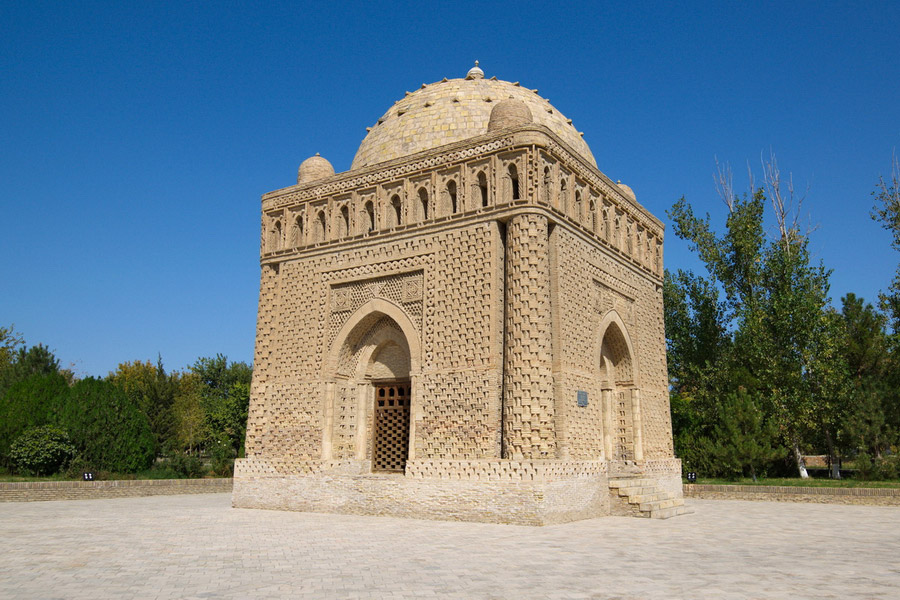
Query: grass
797	482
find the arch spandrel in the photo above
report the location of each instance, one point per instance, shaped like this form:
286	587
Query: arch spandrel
360	322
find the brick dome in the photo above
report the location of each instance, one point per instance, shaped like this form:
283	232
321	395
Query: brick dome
509	113
456	109
313	169
627	190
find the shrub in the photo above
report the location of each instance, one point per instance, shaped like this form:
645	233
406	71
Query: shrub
878	468
221	456
41	450
185	465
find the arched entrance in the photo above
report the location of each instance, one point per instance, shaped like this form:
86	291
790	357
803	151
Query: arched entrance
621	396
369	412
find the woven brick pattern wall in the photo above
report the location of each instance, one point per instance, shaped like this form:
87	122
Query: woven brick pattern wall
529	414
591	283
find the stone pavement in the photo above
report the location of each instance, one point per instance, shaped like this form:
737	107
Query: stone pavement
197	546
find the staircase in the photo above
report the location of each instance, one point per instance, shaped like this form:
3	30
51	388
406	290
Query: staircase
645	498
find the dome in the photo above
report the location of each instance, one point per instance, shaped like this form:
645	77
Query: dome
627	190
452	110
313	169
509	113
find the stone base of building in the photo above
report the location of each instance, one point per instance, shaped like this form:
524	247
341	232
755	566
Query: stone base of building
539	492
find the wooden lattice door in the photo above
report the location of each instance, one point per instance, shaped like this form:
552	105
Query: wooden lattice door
391	426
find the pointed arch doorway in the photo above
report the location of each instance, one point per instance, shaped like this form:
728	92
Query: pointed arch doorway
620	392
369	416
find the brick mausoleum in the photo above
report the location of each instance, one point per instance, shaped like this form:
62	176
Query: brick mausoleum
467	324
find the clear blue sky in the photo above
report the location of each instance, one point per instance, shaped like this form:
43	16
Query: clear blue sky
137	137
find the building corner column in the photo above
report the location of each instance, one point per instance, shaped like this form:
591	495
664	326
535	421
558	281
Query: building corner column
528	411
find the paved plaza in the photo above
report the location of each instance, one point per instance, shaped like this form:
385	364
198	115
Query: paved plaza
197	546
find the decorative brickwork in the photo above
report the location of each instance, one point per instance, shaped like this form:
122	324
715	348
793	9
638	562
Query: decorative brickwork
511	290
528	416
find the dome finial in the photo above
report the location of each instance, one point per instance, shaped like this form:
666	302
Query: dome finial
475	72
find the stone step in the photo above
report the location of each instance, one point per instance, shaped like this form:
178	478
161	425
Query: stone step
647	499
631	482
656	496
661	504
668	513
638	491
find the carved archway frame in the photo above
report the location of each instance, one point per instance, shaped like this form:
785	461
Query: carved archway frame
407	338
609	319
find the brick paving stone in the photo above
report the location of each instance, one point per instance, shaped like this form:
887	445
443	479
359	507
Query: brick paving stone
199	547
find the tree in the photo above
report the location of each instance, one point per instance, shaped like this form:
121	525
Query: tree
17	361
10	342
32	402
107	427
187	412
743	440
225	397
866	345
697	344
154	392
887	212
36	360
782	345
869	427
696	335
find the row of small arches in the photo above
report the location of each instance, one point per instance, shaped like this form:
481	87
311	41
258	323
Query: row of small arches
609	223
314	230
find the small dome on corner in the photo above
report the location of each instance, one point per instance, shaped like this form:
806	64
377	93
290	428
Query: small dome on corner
313	169
509	113
626	190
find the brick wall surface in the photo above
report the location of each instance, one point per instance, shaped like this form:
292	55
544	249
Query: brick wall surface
822	495
32	491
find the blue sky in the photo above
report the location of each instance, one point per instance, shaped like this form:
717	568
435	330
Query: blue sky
137	137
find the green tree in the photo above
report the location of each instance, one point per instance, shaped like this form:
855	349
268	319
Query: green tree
108	427
887	212
782	345
866	343
34	401
696	336
225	397
17	361
36	360
10	342
187	412
697	344
742	439
870	426
154	392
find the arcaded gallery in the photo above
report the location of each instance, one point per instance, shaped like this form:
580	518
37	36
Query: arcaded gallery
467	324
